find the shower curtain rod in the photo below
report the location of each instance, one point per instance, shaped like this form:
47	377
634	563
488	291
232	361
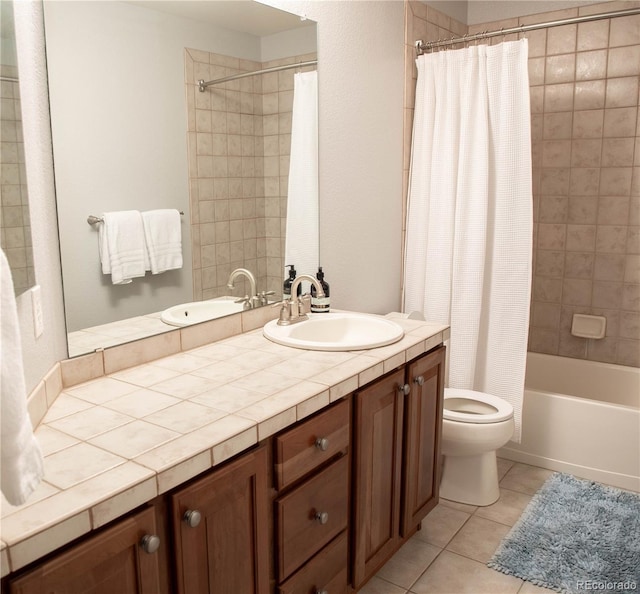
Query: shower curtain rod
427	46
9	79
203	85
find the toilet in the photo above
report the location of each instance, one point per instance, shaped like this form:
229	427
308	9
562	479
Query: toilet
474	426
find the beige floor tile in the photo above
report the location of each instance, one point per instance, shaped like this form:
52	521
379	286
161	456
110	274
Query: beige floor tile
507	509
478	539
440	526
453	574
525	479
529	588
504	466
409	563
459	506
379	586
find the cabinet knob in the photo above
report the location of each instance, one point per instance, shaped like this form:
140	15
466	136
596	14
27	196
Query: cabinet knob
322	443
404	389
150	543
419	380
192	517
322	517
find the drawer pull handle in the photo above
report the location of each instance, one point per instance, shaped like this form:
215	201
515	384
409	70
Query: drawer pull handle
404	389
322	443
321	592
322	517
192	517
419	380
150	543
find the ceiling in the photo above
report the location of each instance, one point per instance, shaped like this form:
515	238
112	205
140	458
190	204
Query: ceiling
245	16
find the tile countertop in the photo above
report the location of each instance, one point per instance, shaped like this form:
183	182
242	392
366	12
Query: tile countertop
116	442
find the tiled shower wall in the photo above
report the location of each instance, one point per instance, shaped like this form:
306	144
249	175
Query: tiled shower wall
239	138
586	178
15	229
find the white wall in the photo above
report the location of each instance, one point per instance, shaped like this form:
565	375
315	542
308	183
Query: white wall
360	80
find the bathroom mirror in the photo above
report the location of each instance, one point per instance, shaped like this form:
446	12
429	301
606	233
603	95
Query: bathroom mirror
131	131
15	226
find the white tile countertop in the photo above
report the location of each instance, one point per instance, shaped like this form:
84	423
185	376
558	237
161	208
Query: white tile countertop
118	441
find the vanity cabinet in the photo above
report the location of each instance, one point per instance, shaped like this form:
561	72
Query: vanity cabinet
317	508
397	424
220	529
124	558
312	507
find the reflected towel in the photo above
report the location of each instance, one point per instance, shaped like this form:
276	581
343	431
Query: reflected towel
302	247
22	465
163	236
122	246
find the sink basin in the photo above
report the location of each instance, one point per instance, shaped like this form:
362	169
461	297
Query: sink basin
186	314
335	332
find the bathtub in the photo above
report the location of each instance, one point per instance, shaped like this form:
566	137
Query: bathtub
581	417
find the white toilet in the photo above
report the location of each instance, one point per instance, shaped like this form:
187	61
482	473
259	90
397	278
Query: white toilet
474	426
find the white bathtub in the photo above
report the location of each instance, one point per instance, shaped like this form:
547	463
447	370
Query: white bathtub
581	417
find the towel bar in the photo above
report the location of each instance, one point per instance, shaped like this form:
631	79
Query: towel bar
93	220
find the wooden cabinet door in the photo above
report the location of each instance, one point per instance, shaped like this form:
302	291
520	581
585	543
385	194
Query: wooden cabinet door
377	475
423	428
111	561
228	550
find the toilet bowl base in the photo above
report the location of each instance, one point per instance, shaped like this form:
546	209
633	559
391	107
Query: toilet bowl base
470	479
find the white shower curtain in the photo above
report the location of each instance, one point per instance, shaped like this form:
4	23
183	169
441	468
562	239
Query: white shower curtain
302	233
469	219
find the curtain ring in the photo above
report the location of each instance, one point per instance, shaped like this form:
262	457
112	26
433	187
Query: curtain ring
464	40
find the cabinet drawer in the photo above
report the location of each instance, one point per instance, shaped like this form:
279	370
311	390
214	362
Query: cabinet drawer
326	572
308	445
312	515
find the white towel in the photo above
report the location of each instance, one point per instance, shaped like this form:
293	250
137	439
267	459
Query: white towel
22	465
122	246
163	236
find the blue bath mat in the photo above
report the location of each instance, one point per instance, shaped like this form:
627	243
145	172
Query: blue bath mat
575	536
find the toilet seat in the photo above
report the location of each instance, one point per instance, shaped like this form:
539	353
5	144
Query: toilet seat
475	407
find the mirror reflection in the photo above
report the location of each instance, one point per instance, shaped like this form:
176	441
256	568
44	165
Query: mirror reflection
15	227
132	131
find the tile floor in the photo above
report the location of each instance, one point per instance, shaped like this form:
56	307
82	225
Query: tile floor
449	554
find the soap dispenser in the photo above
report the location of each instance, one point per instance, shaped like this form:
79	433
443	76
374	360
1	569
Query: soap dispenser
320	305
286	287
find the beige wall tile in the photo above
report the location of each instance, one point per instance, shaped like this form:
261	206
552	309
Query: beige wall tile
594	35
591	65
590	95
625	31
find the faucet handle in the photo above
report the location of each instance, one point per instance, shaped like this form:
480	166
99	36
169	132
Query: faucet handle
246	300
262	297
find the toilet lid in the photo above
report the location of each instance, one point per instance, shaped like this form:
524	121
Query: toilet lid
469	406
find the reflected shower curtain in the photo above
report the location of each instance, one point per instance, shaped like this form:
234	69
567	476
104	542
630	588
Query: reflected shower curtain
469	219
302	233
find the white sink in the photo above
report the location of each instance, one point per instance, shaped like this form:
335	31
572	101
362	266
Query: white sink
186	314
335	332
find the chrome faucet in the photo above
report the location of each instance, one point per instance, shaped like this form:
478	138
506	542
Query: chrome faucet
296	308
251	299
